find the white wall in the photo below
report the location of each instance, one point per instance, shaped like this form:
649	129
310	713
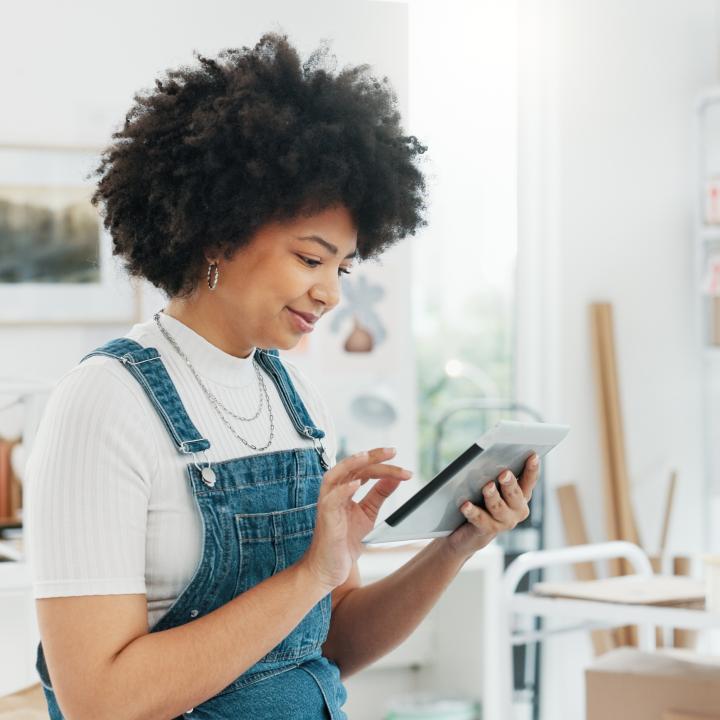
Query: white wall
70	71
607	93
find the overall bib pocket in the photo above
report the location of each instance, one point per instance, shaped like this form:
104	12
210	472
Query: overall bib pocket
268	543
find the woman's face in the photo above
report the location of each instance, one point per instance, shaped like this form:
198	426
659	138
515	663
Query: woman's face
273	291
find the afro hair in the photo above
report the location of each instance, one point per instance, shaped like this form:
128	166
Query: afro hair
218	149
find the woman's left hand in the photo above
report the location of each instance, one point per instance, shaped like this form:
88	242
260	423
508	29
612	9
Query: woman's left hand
505	509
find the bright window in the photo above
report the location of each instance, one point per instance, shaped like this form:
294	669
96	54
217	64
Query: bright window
463	105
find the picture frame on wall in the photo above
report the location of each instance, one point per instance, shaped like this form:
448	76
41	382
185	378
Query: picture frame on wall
56	262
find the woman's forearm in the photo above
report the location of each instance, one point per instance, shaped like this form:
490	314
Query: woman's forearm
163	674
372	620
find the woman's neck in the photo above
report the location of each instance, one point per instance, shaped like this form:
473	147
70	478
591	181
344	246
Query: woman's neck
194	313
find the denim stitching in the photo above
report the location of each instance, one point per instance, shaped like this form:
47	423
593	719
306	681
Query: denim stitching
322	690
182	424
218	558
255	678
182	597
171	426
278	512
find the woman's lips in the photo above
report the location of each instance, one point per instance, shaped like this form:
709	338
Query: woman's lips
300	322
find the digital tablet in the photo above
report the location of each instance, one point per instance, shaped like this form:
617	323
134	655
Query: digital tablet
433	511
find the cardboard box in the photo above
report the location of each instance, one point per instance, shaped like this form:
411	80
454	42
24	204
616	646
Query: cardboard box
626	684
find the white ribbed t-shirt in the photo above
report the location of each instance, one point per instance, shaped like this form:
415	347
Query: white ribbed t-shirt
109	508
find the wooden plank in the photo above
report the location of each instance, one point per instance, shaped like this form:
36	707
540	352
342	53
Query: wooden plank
626	519
668	513
683	638
612	528
656	562
576	534
5	447
620	521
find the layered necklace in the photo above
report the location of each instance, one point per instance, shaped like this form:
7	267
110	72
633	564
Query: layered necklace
222	411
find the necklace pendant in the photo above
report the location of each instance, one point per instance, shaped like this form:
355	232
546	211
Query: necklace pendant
208	476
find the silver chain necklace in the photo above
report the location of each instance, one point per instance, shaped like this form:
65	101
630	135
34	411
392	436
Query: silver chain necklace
218	406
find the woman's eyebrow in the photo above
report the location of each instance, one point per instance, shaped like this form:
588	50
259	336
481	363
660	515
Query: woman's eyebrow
328	246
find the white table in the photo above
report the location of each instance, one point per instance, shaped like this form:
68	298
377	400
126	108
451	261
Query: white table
455	648
591	613
18	628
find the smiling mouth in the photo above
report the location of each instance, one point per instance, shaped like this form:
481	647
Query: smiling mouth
308	317
304	322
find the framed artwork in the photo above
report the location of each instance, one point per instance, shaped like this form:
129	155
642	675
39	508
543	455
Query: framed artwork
56	262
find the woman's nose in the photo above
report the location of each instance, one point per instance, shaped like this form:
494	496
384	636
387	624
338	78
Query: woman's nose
327	293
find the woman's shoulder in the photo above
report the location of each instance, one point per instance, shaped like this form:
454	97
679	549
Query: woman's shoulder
99	409
104	374
97	382
94	377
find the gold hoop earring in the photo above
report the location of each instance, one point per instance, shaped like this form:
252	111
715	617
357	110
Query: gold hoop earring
213	275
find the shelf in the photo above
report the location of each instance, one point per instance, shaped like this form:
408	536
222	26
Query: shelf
710	233
615	614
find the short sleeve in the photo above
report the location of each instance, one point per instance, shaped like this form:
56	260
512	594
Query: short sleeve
88	484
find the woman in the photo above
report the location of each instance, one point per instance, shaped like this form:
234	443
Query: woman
195	545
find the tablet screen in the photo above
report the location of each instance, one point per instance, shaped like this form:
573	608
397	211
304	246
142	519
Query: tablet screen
468	478
433	511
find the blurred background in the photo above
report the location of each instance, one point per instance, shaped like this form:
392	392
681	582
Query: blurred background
574	174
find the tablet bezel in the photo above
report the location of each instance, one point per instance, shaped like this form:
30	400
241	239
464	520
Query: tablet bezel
534	434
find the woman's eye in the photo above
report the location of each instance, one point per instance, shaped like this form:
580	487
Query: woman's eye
314	263
309	261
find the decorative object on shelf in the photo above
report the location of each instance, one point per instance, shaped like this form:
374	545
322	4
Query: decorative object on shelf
368	330
10	488
712	200
359	340
711	288
56	263
375	406
711	279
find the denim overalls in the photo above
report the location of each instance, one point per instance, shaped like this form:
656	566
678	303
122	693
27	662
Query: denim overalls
258	515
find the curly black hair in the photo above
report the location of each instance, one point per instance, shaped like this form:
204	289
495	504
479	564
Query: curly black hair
216	150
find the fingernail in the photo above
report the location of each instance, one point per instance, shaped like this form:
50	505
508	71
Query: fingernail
465	508
406	473
390	450
534	461
506	477
359	455
489	489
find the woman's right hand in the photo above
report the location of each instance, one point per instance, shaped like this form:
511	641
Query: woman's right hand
341	523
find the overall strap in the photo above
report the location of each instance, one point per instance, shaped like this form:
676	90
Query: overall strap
269	360
146	366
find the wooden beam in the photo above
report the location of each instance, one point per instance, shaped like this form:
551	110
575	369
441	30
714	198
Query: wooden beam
620	520
576	534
